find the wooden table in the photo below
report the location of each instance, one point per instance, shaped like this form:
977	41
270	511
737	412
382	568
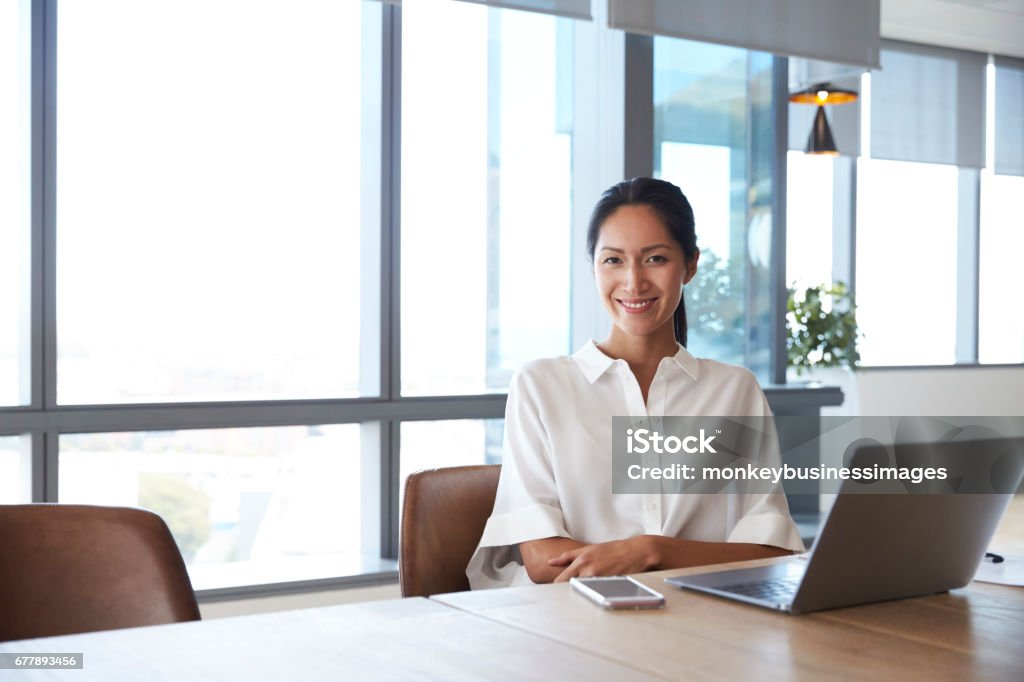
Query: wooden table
402	639
967	634
548	632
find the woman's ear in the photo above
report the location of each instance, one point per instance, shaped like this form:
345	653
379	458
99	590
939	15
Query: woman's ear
691	268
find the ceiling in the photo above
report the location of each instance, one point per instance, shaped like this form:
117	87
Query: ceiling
995	26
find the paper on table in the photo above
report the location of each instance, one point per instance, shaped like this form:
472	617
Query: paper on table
1010	571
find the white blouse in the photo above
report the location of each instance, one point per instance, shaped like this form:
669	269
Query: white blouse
556	475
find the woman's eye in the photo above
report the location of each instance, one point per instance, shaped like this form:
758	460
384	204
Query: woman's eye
658	259
612	260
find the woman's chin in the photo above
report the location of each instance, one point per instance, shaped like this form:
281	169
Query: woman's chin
639	328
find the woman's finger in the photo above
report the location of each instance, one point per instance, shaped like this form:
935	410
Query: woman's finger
565	558
572	570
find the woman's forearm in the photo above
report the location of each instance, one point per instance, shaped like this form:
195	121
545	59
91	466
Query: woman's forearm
670	552
536	554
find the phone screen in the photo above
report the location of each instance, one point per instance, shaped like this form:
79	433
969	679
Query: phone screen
618	587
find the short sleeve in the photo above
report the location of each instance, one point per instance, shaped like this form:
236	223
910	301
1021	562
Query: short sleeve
764	517
526	505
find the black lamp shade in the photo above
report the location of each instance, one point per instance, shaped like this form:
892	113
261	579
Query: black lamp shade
820	140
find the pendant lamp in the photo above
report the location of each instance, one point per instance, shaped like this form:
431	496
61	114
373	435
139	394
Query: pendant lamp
820	140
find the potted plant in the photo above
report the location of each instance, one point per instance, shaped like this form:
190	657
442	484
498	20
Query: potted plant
821	326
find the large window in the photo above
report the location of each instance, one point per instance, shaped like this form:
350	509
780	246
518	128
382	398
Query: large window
209	201
14	201
1000	314
906	262
244	505
486	194
1000	320
712	137
923	223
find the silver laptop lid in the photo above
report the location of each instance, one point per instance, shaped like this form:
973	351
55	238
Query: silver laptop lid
876	547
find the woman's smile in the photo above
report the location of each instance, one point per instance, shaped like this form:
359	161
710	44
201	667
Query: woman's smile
635	306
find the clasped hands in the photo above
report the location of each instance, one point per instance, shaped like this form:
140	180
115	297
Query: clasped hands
618	557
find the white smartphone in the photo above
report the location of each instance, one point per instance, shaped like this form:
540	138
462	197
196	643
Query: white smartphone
618	592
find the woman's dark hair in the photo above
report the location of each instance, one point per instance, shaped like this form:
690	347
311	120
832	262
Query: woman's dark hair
669	203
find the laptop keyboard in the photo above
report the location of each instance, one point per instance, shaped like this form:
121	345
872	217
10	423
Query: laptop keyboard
777	589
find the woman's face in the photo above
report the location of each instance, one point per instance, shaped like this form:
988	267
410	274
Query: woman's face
639	270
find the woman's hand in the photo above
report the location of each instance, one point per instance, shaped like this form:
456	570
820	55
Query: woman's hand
618	557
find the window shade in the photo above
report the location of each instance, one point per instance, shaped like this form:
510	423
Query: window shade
830	30
928	105
1009	116
575	9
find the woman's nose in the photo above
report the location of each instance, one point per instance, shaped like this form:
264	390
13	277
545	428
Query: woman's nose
634	279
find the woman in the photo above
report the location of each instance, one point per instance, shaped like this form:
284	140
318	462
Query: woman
555	515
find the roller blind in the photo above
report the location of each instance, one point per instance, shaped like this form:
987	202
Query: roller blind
928	105
1009	116
844	31
575	9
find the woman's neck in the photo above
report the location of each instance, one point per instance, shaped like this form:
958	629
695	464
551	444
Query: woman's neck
641	351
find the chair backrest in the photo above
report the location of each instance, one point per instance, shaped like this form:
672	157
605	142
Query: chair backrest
66	569
443	517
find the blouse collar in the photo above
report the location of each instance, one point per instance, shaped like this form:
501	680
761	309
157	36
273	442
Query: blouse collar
593	362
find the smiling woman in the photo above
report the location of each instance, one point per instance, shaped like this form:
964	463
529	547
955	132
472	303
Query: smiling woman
555	516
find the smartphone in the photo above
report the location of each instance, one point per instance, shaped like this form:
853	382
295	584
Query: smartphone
618	592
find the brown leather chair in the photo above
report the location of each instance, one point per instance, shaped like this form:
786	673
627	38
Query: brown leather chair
443	517
66	569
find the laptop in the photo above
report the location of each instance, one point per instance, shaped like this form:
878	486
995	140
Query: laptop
877	547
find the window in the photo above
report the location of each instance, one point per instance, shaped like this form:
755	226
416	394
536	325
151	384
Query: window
712	138
15	469
248	506
916	226
1000	323
456	442
906	262
809	206
486	194
14	202
210	201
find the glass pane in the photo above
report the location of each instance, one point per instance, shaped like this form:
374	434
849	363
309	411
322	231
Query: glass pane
15	469
456	442
246	506
713	138
209	200
808	220
15	195
906	262
486	188
1001	319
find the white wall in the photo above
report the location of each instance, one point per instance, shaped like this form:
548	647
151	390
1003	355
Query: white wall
968	392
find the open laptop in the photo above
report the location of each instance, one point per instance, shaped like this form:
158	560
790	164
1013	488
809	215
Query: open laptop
877	547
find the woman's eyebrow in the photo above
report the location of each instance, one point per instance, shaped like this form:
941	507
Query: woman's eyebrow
652	247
